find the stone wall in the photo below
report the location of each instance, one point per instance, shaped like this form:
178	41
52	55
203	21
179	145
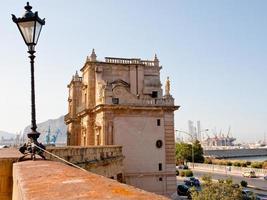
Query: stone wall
7	158
54	180
102	160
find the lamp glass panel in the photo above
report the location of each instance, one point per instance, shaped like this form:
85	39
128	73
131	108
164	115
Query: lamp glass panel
27	29
38	29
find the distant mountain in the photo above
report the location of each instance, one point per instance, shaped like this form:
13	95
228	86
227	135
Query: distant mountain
7	135
52	130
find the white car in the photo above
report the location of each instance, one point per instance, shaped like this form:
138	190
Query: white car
249	174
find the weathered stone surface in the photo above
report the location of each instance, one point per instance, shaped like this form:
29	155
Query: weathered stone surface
68	183
7	157
102	160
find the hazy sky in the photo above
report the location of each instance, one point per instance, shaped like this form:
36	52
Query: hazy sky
213	50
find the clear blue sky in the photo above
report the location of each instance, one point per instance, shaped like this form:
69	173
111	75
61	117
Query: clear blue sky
213	50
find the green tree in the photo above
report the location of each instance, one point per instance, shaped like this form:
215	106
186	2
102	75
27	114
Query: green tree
198	152
184	152
222	190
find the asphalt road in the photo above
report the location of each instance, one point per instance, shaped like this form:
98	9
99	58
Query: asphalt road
255	182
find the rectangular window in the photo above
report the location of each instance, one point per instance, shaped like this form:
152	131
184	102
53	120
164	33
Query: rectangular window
154	94
160	166
158	122
115	100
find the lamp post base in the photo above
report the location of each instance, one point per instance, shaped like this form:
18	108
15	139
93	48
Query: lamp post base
34	135
30	148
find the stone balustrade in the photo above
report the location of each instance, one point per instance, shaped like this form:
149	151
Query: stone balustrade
77	79
148	63
150	102
136	102
102	160
130	61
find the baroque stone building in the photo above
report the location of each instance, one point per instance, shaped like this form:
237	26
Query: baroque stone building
120	101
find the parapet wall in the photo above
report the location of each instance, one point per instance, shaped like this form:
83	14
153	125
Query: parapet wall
7	158
49	180
102	160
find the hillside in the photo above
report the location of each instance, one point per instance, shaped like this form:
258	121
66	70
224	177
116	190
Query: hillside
56	127
7	135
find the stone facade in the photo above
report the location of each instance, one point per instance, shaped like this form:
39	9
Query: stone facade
120	102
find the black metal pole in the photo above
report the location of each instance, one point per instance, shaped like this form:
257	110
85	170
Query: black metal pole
34	126
32	146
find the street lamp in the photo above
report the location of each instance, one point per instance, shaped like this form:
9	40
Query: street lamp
30	26
192	138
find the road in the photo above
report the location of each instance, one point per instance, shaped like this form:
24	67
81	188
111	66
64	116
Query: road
255	182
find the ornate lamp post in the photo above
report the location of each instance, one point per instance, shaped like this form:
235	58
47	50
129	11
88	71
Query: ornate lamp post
30	26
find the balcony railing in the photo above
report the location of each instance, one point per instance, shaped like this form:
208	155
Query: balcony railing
150	102
135	102
129	61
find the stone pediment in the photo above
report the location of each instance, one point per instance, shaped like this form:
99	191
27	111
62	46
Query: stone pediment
121	90
119	82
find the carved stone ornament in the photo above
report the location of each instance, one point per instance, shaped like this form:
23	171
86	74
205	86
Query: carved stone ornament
118	91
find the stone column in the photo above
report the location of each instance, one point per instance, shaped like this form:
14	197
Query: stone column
170	151
91	131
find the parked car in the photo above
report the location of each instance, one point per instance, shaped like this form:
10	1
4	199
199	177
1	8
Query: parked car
249	174
247	194
183	190
192	181
182	167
